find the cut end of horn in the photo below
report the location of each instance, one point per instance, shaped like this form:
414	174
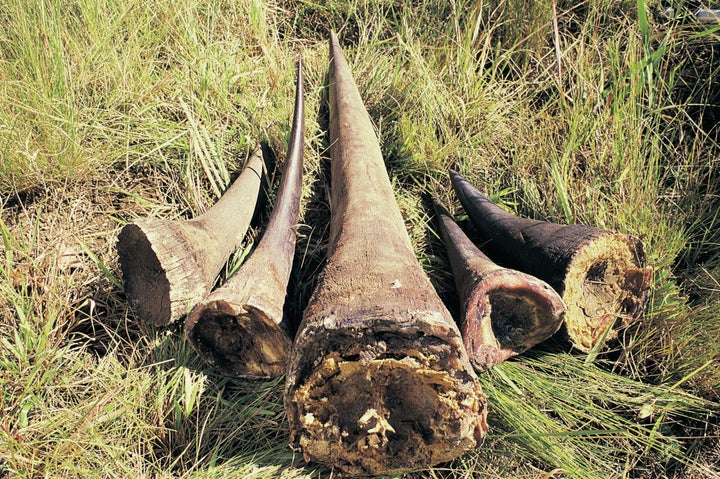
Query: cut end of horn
606	289
146	285
508	313
387	407
240	341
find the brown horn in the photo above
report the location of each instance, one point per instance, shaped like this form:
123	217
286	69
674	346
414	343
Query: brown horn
168	266
600	275
239	328
504	312
379	381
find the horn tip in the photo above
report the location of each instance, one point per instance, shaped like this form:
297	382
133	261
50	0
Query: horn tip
299	71
438	206
334	42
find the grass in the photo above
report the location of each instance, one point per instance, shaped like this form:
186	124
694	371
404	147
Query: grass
110	110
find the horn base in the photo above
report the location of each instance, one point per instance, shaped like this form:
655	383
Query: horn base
242	341
508	313
158	259
393	406
605	289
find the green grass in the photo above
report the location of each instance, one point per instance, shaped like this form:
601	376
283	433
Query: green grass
598	112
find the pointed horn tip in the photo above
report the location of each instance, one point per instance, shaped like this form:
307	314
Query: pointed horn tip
334	42
460	183
436	204
440	209
299	71
455	177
